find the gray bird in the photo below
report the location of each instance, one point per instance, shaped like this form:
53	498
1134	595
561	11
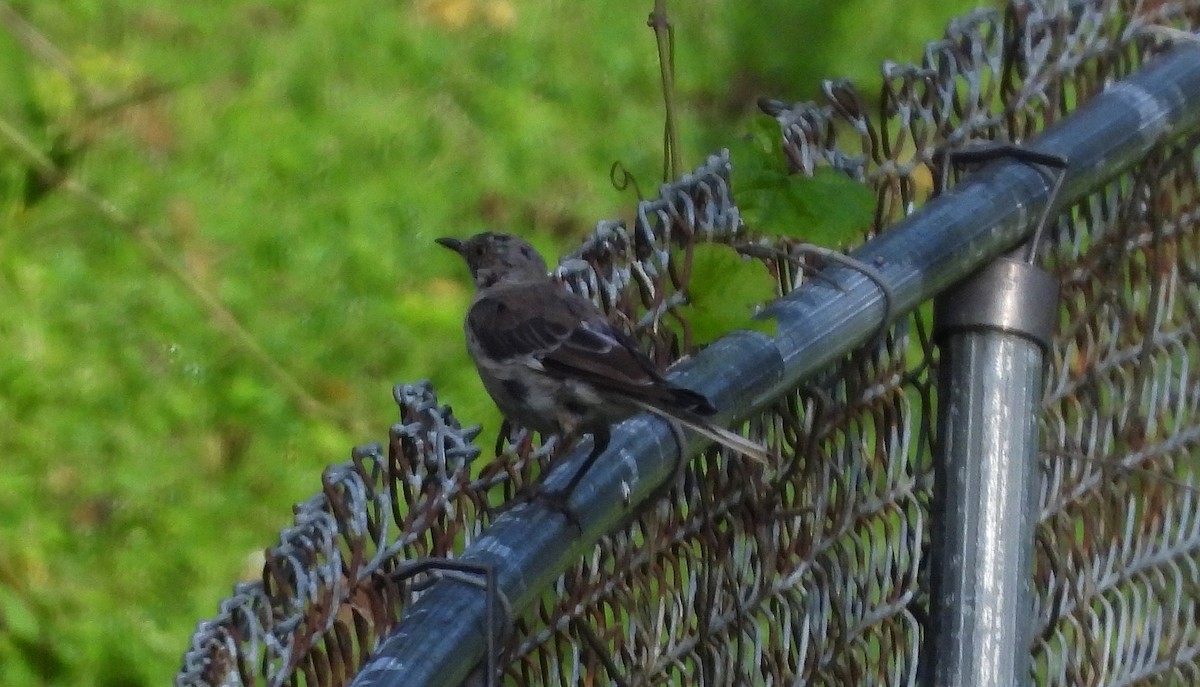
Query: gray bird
553	362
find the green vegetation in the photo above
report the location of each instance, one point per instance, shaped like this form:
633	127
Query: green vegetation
170	385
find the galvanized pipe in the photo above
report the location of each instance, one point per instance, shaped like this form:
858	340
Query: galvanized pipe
992	331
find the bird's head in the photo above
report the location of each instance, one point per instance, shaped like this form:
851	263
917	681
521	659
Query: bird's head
494	258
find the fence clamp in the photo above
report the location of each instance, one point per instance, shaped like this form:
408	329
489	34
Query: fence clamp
1007	295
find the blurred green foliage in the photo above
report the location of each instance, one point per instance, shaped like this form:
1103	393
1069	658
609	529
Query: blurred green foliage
297	164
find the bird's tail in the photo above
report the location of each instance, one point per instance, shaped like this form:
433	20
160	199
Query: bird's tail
716	434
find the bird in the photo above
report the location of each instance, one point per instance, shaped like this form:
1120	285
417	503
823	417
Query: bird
552	362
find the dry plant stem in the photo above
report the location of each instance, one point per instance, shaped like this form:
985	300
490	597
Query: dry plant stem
665	38
93	104
43	49
51	174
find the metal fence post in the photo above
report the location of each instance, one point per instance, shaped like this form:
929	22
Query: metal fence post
992	331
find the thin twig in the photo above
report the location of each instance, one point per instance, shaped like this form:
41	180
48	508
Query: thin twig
53	175
39	46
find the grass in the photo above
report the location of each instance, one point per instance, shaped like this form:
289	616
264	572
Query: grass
295	171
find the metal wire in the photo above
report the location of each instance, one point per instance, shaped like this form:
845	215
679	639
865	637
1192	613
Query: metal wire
816	574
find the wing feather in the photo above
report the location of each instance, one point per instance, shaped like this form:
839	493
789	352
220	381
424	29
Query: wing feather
570	337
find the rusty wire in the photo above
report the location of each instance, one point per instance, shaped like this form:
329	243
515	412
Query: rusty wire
818	576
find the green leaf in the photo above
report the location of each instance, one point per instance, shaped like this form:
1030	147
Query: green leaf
836	207
826	208
725	290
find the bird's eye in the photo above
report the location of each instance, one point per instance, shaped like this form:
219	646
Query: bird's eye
526	251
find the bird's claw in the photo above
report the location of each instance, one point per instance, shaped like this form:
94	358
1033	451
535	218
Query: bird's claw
558	500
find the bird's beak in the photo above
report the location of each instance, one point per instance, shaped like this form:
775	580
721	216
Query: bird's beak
455	245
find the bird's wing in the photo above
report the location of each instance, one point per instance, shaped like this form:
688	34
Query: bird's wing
567	335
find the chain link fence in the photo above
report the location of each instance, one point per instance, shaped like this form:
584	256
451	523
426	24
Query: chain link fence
816	573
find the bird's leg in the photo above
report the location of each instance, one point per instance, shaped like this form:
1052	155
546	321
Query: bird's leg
558	498
600	439
504	436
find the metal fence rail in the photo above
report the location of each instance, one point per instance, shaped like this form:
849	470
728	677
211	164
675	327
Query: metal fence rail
817	572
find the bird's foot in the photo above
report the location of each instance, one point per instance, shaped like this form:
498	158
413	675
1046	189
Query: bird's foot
558	500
